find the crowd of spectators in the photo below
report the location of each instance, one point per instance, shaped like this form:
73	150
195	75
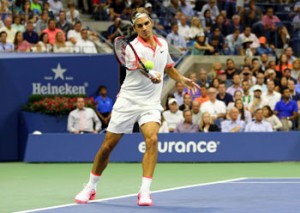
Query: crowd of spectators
43	26
260	95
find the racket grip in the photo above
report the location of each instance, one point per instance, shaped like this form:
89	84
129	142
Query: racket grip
151	74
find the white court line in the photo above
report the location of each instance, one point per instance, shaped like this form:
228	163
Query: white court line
253	182
131	195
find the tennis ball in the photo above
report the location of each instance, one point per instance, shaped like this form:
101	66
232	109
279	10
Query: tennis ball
149	65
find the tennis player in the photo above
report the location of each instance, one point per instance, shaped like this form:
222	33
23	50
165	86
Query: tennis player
138	100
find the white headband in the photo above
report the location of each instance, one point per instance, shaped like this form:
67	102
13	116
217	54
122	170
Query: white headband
139	15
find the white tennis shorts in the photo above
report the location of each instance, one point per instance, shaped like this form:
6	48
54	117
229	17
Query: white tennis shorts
125	113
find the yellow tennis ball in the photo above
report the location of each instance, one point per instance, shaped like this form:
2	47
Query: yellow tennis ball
149	65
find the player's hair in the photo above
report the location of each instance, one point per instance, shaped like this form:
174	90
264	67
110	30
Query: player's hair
136	11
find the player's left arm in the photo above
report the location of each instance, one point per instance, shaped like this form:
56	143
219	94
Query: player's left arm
173	73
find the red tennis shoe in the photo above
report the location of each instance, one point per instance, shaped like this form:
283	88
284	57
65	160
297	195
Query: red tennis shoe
88	193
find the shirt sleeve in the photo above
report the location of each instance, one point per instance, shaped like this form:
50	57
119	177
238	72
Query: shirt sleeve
70	125
98	124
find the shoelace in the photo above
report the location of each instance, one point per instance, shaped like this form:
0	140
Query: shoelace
145	195
87	188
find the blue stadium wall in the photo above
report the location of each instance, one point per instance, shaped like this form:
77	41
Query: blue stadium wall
22	75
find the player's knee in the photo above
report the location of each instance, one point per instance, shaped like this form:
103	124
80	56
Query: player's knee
151	143
106	150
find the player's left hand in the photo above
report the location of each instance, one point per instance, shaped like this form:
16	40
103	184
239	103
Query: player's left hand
192	86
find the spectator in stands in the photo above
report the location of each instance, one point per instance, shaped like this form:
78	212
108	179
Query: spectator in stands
294	94
206	124
84	45
233	43
114	30
52	31
183	28
20	44
238	95
187	102
43	45
283	63
179	93
271	118
221	76
55	6
258	125
296	69
203	97
169	96
175	39
216	108
233	124
244	114
104	106
42	23
27	14
252	17
186	8
200	46
271	95
246	49
258	101
154	17
116	9
223	95
264	59
203	78
62	23
287	72
297	86
212	7
173	116
17	25
196	28
60	45
207	21
217	67
83	119
273	27
260	81
46	7
187	126
215	82
164	125
5	46
72	15
216	33
247	95
196	114
286	109
264	48
236	84
36	7
296	20
230	69
30	35
289	54
8	29
196	93
235	24
251	37
75	35
220	23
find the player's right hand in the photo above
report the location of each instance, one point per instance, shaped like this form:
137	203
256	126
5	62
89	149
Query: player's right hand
157	78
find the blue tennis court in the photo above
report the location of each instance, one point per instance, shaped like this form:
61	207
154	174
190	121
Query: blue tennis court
244	195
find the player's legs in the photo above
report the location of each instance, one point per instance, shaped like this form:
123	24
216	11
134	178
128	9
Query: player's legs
150	131
102	156
100	163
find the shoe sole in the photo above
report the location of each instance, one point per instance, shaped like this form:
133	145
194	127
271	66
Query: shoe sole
145	204
92	197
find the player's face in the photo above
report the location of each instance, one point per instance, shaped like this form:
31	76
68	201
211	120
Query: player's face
143	27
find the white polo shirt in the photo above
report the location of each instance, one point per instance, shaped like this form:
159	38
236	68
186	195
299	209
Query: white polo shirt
272	99
137	87
213	108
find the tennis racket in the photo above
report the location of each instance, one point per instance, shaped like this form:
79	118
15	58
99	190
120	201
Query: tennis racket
128	57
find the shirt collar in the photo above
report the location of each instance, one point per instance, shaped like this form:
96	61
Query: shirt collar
148	45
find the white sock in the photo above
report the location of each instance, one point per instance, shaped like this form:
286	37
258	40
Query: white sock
94	180
146	183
